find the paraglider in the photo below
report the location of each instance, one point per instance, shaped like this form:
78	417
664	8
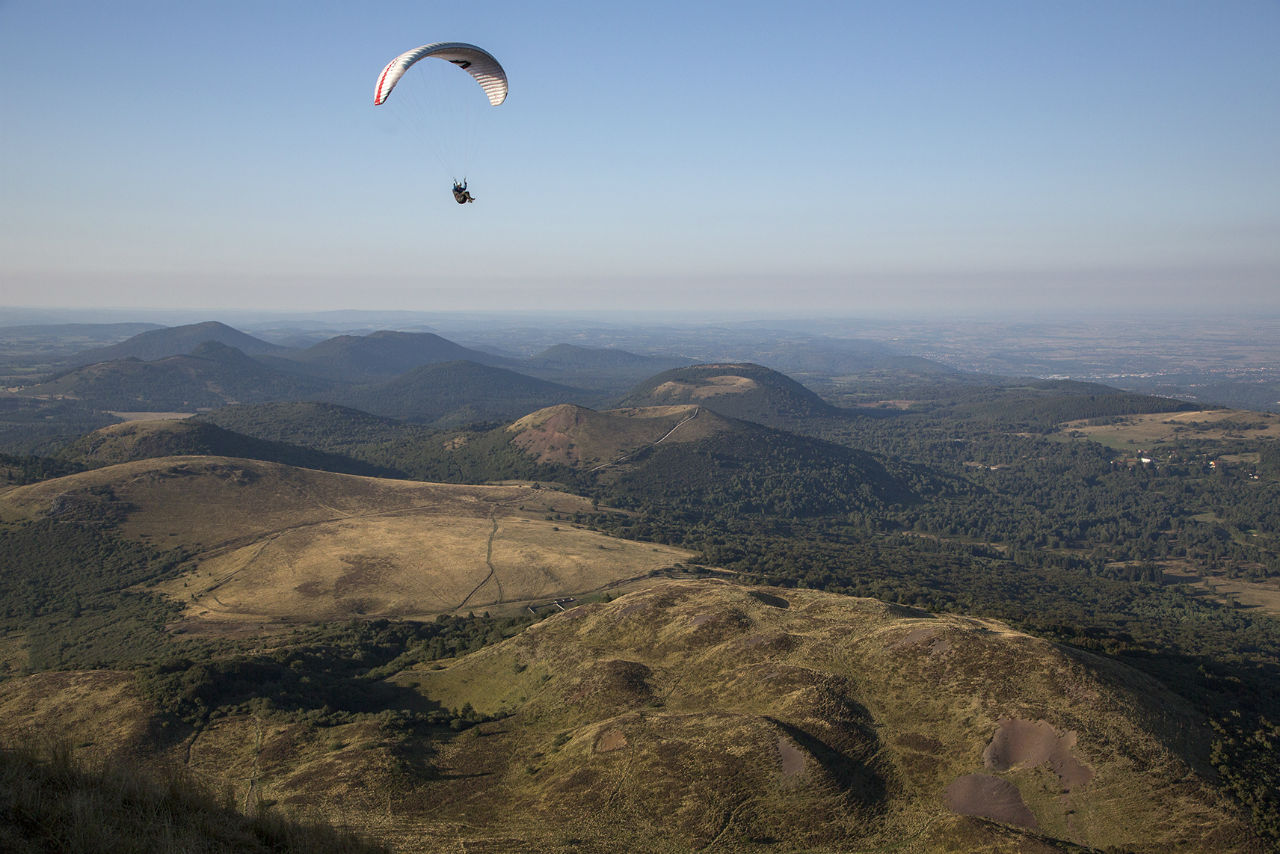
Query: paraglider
479	63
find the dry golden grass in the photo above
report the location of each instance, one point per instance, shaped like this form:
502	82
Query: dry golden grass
705	388
100	711
710	716
408	565
136	417
1262	595
276	542
1144	431
815	711
141	418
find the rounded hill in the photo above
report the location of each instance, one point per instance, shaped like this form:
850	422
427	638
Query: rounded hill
450	394
744	391
174	341
820	723
584	438
140	440
384	354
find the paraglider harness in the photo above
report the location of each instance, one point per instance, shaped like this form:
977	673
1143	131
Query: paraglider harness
460	193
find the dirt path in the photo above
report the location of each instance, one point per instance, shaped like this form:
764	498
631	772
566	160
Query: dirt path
488	560
265	538
665	436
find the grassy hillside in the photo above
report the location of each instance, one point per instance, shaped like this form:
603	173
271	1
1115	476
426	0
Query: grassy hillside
583	438
1149	431
54	801
689	716
414	450
753	717
268	542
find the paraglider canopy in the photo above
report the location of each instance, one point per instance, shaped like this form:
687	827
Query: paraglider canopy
438	105
477	62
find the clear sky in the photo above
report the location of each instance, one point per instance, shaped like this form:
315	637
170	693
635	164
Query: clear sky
795	156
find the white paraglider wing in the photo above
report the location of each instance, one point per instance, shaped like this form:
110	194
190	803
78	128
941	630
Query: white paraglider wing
479	63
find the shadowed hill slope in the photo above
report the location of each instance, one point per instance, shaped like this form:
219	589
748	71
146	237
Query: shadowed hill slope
56	802
139	440
597	367
212	374
450	394
381	355
686	457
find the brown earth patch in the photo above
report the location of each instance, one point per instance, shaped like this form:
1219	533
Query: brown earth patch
615	682
917	636
1030	744
610	740
791	757
719	624
984	796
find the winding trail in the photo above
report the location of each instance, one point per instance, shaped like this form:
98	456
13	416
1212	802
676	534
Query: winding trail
623	458
488	560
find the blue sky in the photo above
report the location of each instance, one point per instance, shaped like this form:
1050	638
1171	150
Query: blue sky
797	157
